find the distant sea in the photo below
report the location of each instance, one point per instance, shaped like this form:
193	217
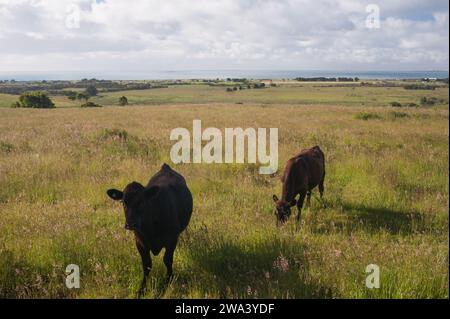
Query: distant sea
214	74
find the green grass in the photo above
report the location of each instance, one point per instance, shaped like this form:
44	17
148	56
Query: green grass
7	99
305	94
386	188
291	93
367	116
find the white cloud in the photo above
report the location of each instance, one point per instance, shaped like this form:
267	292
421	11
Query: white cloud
222	34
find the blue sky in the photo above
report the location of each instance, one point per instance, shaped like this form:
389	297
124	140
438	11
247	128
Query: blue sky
140	35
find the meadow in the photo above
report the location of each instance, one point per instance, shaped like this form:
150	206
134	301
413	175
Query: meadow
305	93
387	191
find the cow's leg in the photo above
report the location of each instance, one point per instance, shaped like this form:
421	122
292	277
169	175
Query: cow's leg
300	206
321	189
168	259
146	266
308	199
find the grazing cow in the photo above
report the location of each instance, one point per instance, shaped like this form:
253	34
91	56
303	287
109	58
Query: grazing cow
157	214
302	173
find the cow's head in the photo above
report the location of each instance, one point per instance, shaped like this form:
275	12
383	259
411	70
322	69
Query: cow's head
282	209
133	197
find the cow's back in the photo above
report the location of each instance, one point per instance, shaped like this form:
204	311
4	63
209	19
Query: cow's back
312	162
304	171
170	211
174	198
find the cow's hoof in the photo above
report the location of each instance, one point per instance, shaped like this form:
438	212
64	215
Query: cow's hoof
169	280
140	293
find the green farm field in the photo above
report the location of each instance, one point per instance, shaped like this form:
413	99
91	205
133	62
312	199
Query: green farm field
306	94
387	191
293	93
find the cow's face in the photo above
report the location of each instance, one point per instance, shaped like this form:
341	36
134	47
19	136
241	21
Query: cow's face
130	200
282	209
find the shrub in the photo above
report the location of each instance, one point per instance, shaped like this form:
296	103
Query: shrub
34	99
123	101
399	114
411	105
72	95
395	104
90	104
419	87
91	90
82	96
119	142
6	147
114	134
429	101
367	116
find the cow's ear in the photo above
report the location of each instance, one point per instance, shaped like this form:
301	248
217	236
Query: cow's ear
275	198
114	194
152	191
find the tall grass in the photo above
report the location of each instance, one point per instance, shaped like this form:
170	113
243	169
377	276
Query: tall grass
386	190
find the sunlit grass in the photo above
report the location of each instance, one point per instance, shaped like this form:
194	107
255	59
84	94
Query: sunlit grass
290	93
386	190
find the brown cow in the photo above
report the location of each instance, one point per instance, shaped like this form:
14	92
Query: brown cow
302	173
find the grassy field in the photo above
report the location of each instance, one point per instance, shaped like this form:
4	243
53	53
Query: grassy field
289	93
306	94
386	188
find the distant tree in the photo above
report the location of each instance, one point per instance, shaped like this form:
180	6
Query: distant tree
395	104
82	96
35	99
72	95
90	104
123	101
429	101
91	90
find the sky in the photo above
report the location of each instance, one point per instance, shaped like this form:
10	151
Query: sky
141	35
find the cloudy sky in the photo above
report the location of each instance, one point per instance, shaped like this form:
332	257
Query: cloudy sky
55	35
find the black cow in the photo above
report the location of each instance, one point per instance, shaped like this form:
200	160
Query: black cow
157	214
